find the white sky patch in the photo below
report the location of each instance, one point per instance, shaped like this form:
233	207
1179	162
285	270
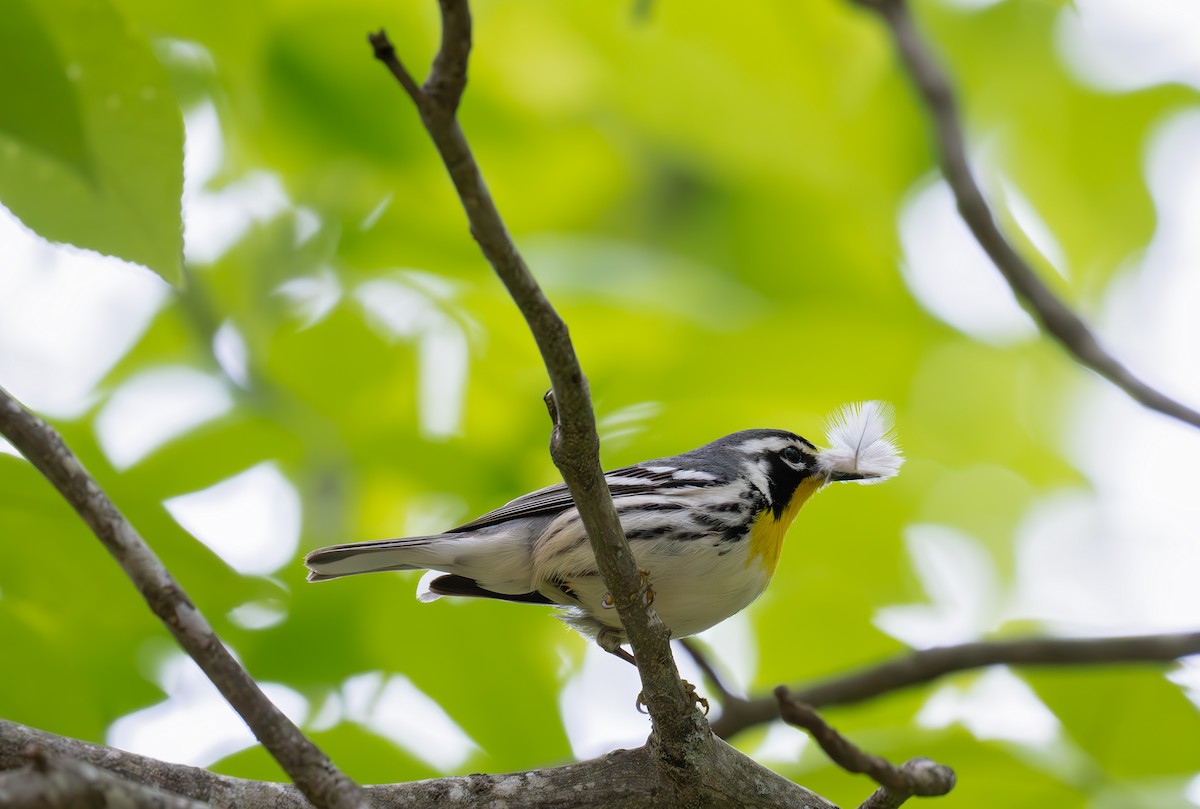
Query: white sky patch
229	348
66	316
251	520
400	712
1121	46
734	652
1192	790
8	449
1188	676
214	221
154	407
410	307
783	744
328	716
950	275
312	297
959	577
194	725
997	705
596	705
204	147
256	615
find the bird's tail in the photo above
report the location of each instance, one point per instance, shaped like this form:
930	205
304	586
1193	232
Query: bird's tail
411	553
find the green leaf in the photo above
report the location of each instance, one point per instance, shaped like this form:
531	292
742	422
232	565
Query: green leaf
1106	712
91	141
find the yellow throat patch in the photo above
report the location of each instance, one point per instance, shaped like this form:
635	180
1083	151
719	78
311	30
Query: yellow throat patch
767	533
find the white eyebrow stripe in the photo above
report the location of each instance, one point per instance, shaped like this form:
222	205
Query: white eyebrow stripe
757	445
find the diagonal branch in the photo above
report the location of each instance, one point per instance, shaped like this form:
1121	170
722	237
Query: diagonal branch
1055	316
310	768
917	777
574	445
929	664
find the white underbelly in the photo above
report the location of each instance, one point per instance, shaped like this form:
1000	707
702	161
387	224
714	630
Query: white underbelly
692	591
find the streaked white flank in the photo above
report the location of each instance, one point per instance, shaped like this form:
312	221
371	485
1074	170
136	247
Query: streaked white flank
861	442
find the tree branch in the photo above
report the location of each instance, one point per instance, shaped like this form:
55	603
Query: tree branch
917	777
1055	316
920	770
679	728
626	778
50	782
311	769
930	664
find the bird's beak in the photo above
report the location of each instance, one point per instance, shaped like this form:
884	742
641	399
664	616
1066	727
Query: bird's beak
841	477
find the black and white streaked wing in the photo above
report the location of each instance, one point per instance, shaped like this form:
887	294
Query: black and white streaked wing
626	482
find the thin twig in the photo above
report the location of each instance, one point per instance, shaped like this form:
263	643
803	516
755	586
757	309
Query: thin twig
930	664
912	779
1055	316
311	769
574	445
700	658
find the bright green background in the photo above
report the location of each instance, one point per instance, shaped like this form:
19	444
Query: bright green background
710	196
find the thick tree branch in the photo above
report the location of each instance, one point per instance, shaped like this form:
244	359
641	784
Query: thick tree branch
1054	315
311	769
918	777
626	778
679	728
930	664
51	782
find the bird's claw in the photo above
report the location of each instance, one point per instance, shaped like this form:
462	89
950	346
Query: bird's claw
647	593
647	590
640	703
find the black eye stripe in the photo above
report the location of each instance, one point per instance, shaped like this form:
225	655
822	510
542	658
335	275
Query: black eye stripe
791	455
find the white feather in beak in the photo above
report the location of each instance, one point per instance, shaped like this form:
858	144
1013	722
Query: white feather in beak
862	444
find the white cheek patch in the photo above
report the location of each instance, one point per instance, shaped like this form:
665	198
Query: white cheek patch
861	442
757	471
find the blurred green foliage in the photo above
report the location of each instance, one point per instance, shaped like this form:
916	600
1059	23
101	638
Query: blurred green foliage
710	197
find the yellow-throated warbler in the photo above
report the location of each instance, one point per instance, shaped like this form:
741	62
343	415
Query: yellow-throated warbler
706	527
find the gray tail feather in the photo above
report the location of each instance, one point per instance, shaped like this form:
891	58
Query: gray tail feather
413	553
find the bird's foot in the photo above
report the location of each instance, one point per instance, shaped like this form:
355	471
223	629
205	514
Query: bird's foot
646	592
640	704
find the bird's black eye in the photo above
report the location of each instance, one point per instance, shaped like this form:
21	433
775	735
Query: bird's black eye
792	455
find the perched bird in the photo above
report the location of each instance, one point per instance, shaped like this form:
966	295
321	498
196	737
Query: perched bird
706	528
